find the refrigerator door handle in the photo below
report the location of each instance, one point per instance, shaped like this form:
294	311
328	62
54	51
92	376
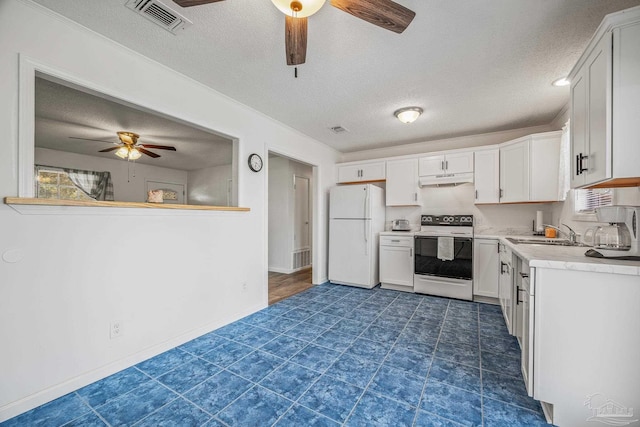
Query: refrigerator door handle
366	204
367	226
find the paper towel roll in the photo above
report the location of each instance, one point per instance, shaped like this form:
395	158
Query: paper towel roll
539	226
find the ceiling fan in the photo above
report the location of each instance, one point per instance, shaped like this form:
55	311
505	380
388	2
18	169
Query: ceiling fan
128	148
383	13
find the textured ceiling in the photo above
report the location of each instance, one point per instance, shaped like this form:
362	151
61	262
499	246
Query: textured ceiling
474	66
62	112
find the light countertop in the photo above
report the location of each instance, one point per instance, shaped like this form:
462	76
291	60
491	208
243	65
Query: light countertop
555	257
566	257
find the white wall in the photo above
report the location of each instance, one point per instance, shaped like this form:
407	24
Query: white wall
281	210
565	211
459	200
129	179
182	273
280	216
445	144
209	186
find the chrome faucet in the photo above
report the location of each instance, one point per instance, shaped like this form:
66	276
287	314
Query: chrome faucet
571	235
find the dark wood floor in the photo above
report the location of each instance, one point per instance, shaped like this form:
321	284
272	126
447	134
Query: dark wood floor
283	286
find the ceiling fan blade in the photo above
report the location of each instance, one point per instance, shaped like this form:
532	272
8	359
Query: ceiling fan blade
147	152
295	34
106	150
188	3
383	13
89	139
158	147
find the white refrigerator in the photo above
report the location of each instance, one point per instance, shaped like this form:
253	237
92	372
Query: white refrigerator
356	218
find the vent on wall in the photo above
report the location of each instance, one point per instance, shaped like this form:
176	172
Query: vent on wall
301	259
159	13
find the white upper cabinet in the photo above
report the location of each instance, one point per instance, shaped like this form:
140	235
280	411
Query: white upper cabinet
514	172
360	172
453	163
402	183
605	106
544	166
486	173
529	168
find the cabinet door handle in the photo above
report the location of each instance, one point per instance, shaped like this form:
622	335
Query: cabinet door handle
577	164
446	164
518	290
415	197
502	265
582	168
501	193
442	165
410	252
476	194
396	241
524	275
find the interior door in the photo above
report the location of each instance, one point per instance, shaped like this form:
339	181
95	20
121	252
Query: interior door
301	213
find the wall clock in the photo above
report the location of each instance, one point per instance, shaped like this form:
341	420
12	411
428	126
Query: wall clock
255	162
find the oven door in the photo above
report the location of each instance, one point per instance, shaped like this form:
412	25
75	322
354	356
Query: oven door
427	262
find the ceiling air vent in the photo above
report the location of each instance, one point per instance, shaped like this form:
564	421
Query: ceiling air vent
338	129
159	13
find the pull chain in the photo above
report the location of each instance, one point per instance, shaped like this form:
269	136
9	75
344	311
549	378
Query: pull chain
295	72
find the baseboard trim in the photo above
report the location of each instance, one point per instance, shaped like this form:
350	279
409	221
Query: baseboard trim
33	401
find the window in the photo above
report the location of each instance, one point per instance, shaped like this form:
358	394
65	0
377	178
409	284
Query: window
55	184
586	201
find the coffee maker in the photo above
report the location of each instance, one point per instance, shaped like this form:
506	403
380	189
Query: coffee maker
620	238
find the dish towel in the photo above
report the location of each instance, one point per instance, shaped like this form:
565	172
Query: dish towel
445	248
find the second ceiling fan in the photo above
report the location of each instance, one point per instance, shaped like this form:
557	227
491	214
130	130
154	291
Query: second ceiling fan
383	13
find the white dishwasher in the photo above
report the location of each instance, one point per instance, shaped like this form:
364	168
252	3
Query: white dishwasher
396	261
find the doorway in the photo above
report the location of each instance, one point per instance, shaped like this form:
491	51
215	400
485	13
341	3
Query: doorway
289	228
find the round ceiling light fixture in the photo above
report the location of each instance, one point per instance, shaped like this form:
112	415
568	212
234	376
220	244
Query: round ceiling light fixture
561	82
408	114
298	8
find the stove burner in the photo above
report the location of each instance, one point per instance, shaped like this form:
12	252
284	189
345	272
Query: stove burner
447	220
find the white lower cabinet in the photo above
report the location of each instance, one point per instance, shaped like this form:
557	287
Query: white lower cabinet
524	301
396	262
505	286
586	346
486	267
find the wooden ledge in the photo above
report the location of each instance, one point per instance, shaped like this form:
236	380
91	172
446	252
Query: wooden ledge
105	204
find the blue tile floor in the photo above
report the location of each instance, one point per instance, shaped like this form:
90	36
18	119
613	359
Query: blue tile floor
330	356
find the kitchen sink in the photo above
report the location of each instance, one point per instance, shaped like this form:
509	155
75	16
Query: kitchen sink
547	242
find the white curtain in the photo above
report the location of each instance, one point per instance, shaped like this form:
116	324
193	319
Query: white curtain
564	175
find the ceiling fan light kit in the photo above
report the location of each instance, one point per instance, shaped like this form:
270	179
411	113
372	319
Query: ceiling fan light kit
386	14
408	114
128	147
298	8
128	153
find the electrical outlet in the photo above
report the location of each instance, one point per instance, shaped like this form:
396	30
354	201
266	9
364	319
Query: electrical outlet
244	287
116	329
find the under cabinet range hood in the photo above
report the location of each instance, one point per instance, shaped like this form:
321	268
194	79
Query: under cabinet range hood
446	179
